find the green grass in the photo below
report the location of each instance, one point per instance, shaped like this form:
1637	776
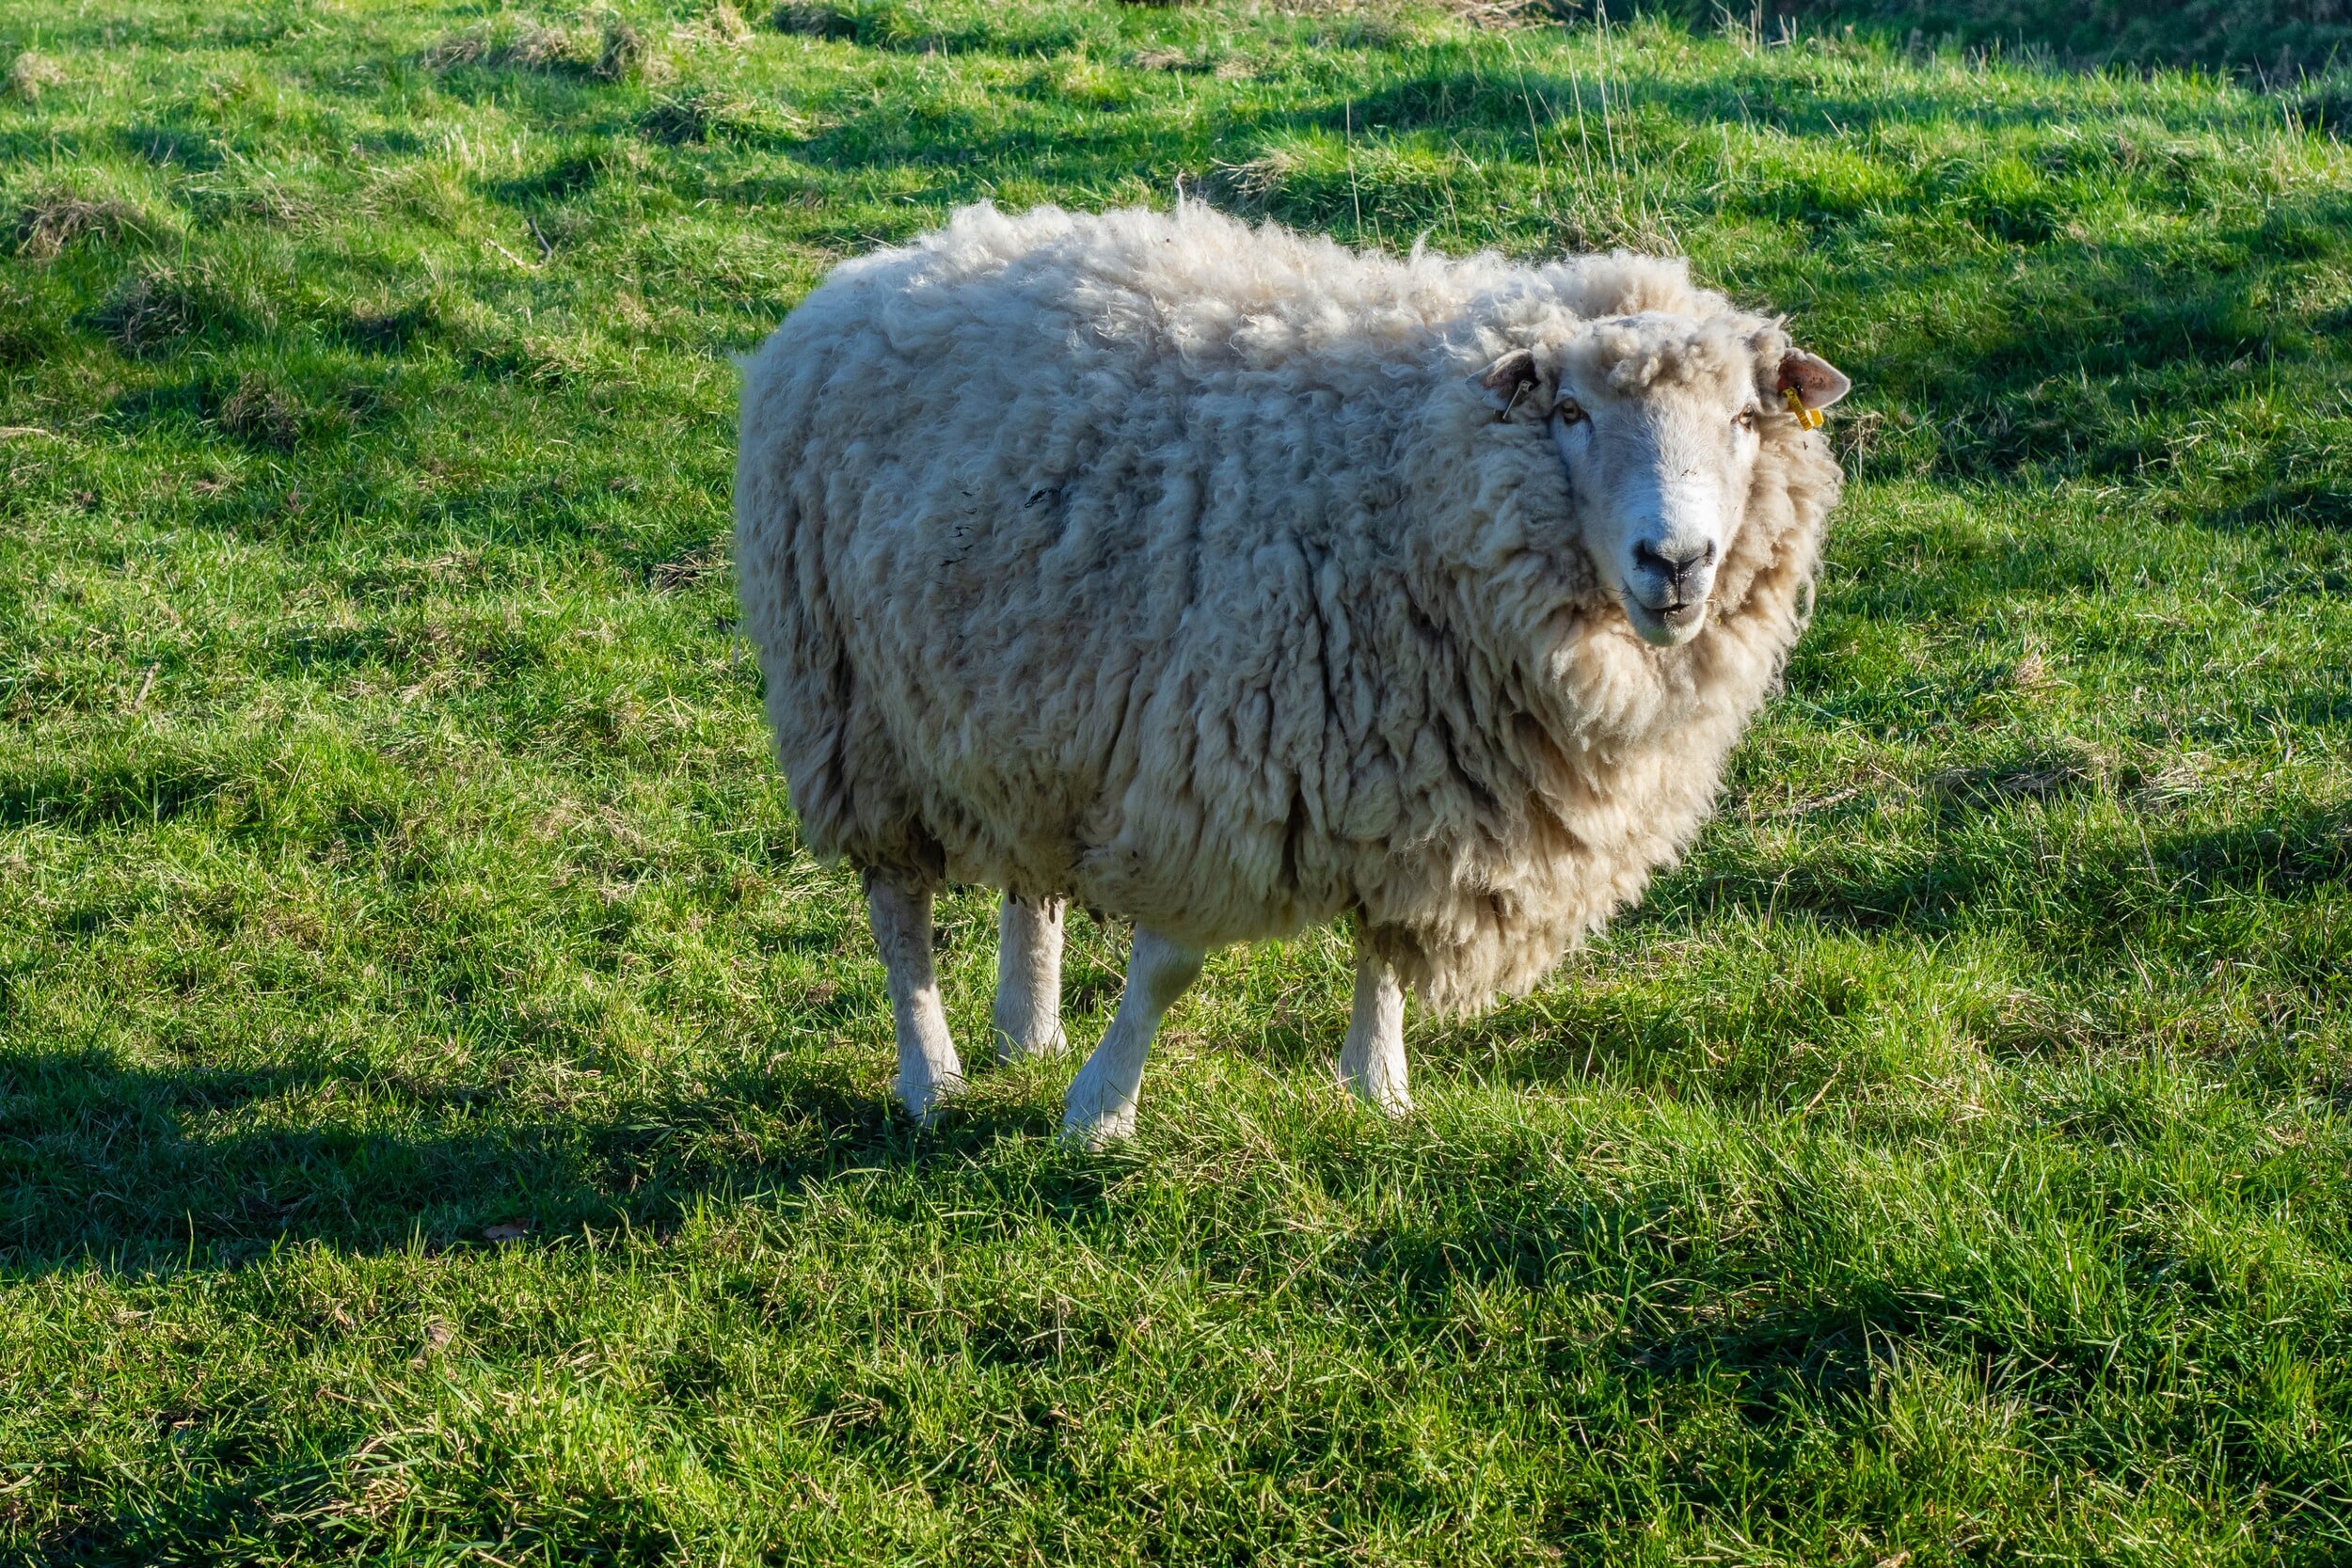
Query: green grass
1952	1163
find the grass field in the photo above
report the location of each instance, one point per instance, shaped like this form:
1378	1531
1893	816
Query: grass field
442	1110
2270	41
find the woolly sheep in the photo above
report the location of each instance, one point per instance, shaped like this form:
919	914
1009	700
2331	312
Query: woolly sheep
1229	580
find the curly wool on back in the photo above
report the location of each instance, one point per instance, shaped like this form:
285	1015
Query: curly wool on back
1174	566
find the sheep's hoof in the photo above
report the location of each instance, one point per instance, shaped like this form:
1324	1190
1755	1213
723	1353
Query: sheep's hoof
924	1097
1390	1099
1011	1047
1093	1130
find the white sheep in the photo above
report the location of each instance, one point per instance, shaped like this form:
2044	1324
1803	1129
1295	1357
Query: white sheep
1230	580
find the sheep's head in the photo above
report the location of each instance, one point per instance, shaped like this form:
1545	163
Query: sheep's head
1658	421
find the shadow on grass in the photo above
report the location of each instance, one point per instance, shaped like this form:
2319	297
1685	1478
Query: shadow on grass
288	1511
1773	1040
2105	899
120	1166
150	1168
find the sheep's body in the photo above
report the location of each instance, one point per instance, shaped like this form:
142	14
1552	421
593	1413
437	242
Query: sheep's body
1172	567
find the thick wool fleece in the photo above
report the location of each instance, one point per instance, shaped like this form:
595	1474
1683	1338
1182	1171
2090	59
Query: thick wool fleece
1176	567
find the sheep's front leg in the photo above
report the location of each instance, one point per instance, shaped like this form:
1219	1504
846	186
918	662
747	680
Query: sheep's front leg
927	1068
1372	1061
1103	1098
1026	1018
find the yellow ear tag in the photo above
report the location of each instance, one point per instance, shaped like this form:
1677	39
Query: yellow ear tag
1811	419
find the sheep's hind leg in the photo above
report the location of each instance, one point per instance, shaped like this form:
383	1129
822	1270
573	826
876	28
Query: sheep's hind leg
1372	1062
928	1069
1027	1018
1103	1098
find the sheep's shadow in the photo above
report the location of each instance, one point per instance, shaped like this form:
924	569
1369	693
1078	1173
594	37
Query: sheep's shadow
137	1168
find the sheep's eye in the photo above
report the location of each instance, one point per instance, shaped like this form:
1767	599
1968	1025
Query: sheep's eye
1569	410
1747	417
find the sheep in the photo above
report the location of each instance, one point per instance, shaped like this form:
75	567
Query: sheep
1229	580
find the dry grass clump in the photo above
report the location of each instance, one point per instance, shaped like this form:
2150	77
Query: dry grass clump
263	407
611	49
148	313
525	46
700	115
1511	13
1189	62
256	410
720	24
31	74
816	19
541	47
154	306
385	325
688	571
1250	185
53	220
626	55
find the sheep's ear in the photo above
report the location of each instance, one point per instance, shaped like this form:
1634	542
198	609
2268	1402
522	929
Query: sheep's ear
1514	381
1814	379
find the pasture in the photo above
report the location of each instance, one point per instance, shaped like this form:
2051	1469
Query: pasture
442	1110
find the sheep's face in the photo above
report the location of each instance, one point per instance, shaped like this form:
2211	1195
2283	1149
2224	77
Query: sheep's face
1657	422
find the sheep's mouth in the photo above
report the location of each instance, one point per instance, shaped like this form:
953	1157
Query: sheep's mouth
1668	625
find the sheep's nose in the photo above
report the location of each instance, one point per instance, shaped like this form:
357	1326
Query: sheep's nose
1677	565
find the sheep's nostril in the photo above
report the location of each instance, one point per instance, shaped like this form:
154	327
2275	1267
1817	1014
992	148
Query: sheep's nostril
1677	566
